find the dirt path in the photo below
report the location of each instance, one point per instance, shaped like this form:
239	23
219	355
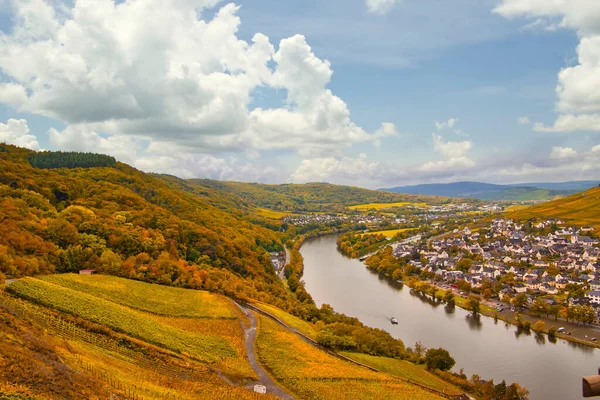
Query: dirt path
263	377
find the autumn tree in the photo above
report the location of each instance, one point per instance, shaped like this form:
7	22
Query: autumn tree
439	359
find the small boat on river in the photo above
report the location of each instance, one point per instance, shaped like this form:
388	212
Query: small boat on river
394	321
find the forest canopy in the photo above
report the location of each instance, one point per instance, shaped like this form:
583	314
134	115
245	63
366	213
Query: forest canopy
60	159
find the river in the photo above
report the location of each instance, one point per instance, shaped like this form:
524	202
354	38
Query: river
481	346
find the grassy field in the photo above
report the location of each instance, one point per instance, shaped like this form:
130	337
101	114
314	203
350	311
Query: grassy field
290	320
266	213
390	233
210	348
383	206
155	299
405	369
308	373
579	209
517	207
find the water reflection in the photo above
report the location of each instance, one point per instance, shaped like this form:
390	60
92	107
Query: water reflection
549	368
474	322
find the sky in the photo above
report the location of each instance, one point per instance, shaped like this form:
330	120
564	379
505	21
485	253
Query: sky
371	93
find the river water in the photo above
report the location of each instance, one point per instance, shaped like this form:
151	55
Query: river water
548	370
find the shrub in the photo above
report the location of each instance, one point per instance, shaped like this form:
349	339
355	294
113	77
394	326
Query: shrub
439	359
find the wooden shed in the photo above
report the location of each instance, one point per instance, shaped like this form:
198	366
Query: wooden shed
87	272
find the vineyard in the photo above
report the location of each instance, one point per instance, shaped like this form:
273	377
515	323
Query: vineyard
309	373
150	328
128	373
299	324
155	299
406	370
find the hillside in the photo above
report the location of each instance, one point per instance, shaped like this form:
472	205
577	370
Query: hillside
121	221
311	196
101	336
492	192
579	209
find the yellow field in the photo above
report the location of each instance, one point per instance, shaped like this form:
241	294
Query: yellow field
308	373
382	206
214	341
390	233
264	212
579	209
407	370
290	320
517	207
156	299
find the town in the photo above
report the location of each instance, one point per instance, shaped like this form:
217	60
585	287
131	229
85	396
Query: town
545	261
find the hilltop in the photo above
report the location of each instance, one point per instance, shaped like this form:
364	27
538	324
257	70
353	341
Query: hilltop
492	192
579	209
312	197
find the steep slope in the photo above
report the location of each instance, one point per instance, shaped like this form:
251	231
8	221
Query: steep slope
311	196
579	209
121	221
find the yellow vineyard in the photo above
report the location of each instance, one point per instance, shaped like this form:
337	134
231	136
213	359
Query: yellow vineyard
383	206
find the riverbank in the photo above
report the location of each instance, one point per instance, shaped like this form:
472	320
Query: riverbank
579	334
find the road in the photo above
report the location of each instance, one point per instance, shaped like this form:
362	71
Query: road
263	376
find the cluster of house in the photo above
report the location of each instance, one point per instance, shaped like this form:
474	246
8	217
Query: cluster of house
505	248
278	260
306	219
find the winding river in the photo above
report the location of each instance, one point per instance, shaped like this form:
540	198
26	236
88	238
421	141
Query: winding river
492	350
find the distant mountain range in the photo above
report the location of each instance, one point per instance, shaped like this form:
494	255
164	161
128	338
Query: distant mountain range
488	191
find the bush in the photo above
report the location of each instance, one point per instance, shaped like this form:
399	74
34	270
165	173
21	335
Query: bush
439	359
539	326
2	278
552	332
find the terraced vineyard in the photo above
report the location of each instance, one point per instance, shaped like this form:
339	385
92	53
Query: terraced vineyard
579	209
155	299
308	373
168	332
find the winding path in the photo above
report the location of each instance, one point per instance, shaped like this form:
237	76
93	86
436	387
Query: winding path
263	377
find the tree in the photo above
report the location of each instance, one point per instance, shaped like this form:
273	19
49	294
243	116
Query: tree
520	300
538	307
464	264
487	294
474	304
439	359
420	349
449	297
539	326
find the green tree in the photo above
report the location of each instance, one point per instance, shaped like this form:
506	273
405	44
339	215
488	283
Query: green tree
474	304
439	359
464	264
520	300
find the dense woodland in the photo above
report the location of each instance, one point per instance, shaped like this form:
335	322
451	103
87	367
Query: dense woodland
313	196
59	159
160	229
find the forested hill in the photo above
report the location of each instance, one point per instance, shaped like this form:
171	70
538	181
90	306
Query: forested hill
312	196
579	209
123	222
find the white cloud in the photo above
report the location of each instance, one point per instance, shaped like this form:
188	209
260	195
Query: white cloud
524	120
451	149
562	153
331	169
578	100
596	149
12	94
452	165
16	132
381	7
447	124
190	83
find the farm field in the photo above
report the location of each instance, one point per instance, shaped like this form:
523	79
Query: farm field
290	320
389	233
67	361
266	213
517	207
161	331
405	369
382	206
155	299
308	373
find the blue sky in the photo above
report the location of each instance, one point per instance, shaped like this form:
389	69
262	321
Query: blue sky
465	90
